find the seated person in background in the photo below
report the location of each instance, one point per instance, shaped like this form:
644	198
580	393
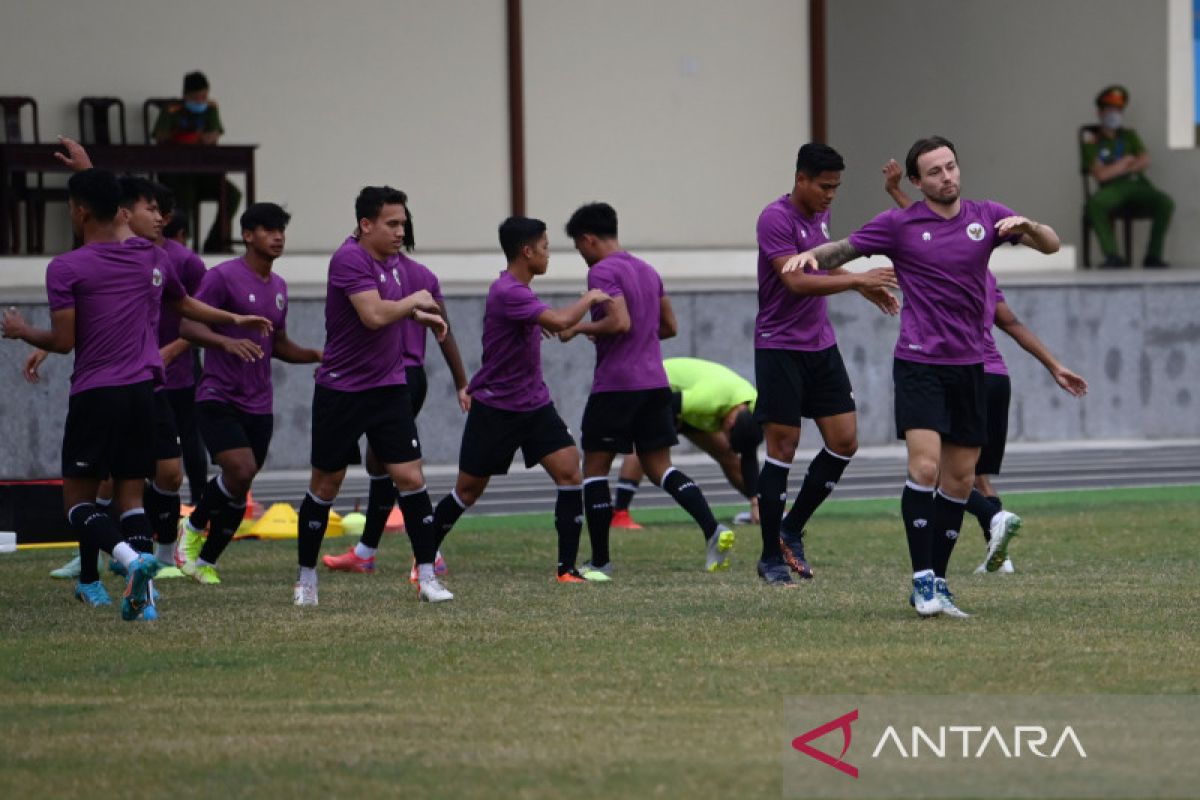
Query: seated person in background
1117	159
714	409
196	120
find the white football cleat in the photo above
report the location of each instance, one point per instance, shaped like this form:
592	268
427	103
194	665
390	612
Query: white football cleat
304	594
1004	527
432	591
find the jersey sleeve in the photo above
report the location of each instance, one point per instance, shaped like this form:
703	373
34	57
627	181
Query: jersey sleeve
172	288
521	304
877	237
60	285
350	273
212	289
995	213
776	237
191	272
604	278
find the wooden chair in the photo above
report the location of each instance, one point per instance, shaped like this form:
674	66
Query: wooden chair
98	112
1090	133
33	195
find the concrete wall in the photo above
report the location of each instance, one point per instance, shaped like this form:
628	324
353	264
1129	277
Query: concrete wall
683	115
1009	87
1137	344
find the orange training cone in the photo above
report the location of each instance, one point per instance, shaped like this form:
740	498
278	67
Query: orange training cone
395	521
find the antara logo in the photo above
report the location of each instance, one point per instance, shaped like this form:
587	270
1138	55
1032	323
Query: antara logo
842	723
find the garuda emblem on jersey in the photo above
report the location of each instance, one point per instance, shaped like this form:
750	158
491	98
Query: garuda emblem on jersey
975	232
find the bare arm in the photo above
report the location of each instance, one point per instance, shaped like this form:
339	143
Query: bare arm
189	307
556	320
200	334
289	352
1007	321
826	256
454	363
1037	235
668	326
60	338
891	184
374	312
615	323
172	350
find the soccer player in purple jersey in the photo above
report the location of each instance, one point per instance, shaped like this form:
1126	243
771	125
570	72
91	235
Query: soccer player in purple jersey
234	398
998	525
511	406
798	368
104	303
361	387
940	249
630	404
382	492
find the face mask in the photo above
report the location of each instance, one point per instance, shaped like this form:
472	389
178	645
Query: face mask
1111	120
196	106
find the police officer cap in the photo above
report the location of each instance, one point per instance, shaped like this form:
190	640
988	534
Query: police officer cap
194	82
1113	96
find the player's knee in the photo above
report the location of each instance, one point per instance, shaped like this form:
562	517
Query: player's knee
923	470
169	478
846	448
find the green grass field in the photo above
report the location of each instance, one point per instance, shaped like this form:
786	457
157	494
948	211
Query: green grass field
666	683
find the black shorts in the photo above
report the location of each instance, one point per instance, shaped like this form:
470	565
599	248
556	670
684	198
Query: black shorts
418	387
797	383
183	405
106	433
945	398
492	436
226	427
617	422
998	390
339	419
166	431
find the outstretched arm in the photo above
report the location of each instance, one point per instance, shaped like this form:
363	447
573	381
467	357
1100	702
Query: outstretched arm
1068	380
189	307
59	339
615	323
374	312
454	363
1037	235
289	352
556	320
826	256
201	335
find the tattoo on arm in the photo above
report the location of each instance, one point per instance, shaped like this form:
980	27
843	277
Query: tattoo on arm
833	254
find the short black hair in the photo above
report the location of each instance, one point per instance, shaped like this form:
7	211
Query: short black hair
598	219
921	147
134	188
268	216
194	82
96	190
815	158
166	199
176	225
516	232
370	203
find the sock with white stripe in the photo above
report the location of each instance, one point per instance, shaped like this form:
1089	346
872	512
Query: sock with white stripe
448	510
597	508
568	524
772	496
947	521
310	529
819	482
916	508
689	497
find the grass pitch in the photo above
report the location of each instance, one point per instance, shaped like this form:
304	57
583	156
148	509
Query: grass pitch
667	682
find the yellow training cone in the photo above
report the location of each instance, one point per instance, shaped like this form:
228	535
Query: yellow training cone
279	522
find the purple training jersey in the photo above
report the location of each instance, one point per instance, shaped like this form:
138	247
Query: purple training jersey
632	360
235	287
116	289
993	362
356	357
789	321
412	334
510	375
942	266
189	269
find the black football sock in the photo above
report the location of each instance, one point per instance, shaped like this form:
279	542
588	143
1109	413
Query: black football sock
626	489
96	531
211	501
418	521
310	529
982	508
689	497
89	555
568	523
448	510
597	508
916	507
380	500
819	482
947	521
135	529
162	508
221	531
772	495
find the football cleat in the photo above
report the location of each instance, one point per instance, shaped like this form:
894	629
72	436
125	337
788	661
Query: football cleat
775	573
719	545
947	599
1004	527
304	594
432	591
92	594
138	586
621	519
792	545
924	597
349	562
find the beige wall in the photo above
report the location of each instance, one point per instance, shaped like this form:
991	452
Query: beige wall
685	115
